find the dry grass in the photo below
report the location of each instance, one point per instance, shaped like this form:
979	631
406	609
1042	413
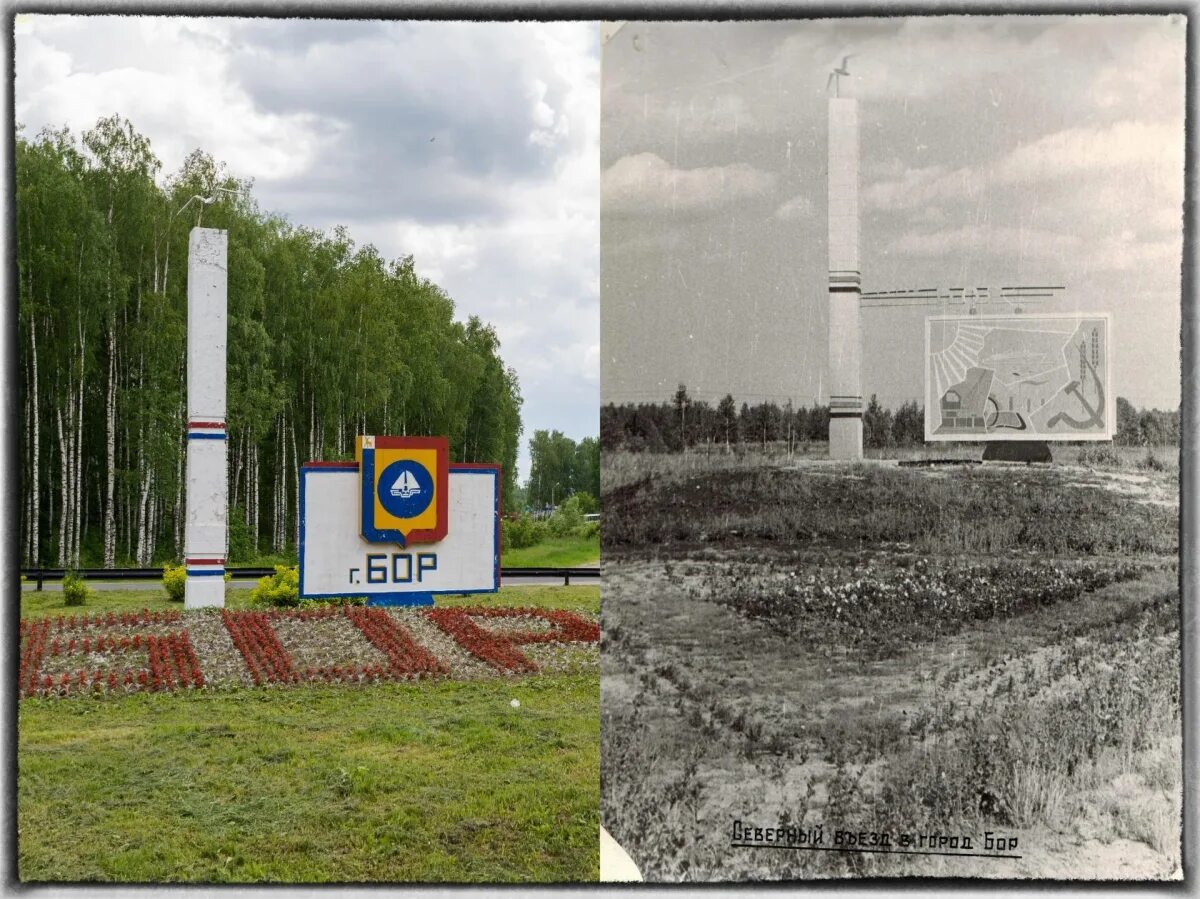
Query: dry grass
717	706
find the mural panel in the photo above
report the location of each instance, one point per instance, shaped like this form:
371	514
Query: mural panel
1018	377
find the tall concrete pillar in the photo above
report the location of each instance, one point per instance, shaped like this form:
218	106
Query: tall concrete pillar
205	532
845	284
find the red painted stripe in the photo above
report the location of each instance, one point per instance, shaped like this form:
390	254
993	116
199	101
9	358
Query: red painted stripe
204	561
207	424
349	466
433	443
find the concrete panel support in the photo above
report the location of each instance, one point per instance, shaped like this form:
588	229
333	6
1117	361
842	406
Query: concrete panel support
845	284
206	524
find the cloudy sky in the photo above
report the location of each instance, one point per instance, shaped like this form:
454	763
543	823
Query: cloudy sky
471	146
994	151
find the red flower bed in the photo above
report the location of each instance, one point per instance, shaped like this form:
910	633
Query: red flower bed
268	661
406	655
500	649
33	647
135	651
171	662
265	656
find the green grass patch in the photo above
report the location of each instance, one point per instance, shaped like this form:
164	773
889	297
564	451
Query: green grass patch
555	552
437	781
440	781
573	598
50	602
35	604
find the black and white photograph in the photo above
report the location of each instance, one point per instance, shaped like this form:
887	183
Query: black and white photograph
890	447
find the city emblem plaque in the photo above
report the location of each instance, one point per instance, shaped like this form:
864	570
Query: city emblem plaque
405	483
400	525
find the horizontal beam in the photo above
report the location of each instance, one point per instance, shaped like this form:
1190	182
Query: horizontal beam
154	574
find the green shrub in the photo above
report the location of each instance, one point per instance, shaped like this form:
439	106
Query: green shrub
1104	455
279	589
591	530
588	504
1151	462
567	518
75	591
174	581
519	533
241	541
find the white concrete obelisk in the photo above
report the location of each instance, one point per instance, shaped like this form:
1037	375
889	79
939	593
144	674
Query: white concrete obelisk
845	284
207	482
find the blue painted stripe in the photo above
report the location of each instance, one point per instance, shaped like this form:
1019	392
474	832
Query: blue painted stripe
202	436
400	599
192	572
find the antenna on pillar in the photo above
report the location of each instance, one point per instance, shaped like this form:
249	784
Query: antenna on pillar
835	76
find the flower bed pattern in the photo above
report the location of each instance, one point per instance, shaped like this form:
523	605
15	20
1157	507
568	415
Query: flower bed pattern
891	605
499	649
134	652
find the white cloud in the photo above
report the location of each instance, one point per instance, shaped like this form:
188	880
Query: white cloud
1144	150
798	208
1019	242
334	119
646	183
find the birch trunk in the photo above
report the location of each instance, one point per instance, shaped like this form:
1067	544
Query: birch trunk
110	544
254	499
143	498
77	443
27	456
296	481
62	486
37	441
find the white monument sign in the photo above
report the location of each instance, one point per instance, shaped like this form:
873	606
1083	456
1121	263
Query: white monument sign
336	560
207	484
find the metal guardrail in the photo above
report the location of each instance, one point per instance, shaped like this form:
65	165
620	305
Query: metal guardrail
39	575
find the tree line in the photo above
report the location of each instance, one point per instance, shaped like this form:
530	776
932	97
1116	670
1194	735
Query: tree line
326	340
560	467
685	422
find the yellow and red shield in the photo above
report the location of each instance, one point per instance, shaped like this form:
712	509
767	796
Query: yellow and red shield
405	487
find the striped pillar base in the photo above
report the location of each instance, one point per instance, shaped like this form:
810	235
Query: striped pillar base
205	582
204	538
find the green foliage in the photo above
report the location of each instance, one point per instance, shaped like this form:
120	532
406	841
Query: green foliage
567	518
588	504
102	262
75	590
279	589
521	532
174	581
241	541
560	467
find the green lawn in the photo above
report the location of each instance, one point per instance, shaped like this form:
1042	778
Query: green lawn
441	781
556	552
35	604
50	602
